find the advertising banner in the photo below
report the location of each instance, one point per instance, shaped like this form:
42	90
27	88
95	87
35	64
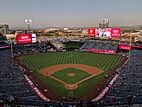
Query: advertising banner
125	47
101	51
91	32
4	47
115	33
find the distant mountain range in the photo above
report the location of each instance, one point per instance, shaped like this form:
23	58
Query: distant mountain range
135	27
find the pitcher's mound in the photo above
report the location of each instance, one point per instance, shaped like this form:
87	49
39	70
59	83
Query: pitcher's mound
71	86
71	74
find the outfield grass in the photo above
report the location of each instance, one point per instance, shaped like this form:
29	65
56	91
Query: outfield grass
79	75
37	62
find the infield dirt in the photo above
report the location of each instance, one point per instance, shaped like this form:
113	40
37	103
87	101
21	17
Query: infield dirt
52	69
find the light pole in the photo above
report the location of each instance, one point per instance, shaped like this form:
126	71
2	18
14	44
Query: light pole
28	23
11	48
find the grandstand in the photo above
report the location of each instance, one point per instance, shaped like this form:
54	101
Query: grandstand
128	83
13	85
100	45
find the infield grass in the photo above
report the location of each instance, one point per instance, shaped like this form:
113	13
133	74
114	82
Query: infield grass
78	75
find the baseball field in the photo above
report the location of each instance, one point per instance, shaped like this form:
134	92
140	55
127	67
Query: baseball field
71	74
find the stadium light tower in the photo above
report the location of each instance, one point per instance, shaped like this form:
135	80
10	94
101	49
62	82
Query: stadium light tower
28	23
103	23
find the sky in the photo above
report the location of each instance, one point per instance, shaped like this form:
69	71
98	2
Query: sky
70	13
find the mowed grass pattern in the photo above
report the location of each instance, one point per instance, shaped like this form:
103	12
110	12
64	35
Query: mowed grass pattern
37	62
79	75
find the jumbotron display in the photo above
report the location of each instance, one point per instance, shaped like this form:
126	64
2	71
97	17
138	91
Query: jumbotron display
108	33
26	38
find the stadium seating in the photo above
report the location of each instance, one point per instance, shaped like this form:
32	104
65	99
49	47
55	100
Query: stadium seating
100	45
12	82
129	83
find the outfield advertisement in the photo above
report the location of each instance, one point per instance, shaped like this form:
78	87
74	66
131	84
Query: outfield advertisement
125	47
108	33
101	51
26	38
115	33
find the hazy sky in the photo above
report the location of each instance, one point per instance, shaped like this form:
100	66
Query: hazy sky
70	13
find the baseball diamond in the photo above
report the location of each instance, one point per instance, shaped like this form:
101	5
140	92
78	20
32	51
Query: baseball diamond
79	72
53	69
